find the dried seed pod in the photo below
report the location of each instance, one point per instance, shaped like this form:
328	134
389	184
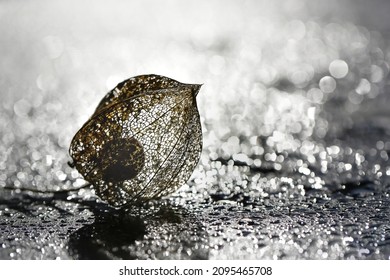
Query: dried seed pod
143	141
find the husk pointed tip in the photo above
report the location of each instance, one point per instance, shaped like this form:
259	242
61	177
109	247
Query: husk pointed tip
197	88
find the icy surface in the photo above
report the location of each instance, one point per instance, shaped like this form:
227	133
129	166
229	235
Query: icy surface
295	119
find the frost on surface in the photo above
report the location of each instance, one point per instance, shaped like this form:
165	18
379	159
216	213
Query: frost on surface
295	123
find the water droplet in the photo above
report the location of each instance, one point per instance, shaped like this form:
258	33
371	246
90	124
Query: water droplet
338	68
22	107
376	74
364	87
327	84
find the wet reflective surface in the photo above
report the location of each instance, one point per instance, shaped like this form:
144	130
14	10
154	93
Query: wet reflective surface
294	111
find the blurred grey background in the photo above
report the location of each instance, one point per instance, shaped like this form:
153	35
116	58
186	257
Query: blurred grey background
294	111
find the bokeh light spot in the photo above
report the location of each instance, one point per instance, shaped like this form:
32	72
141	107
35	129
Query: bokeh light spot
338	68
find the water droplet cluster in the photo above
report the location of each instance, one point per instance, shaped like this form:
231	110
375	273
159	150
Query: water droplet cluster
294	107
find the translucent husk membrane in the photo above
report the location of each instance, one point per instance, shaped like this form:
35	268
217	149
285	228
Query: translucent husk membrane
143	141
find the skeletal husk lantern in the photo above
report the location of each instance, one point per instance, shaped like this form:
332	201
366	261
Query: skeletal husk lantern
143	141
